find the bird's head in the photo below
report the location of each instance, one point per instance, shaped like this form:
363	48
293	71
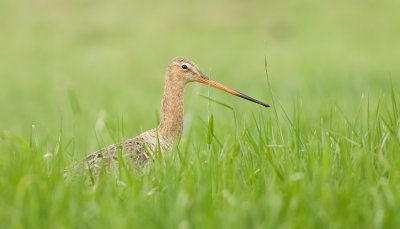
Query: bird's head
183	70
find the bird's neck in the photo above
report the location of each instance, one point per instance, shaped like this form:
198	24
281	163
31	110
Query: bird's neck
171	125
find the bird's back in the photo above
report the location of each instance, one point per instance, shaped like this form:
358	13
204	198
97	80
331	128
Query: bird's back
135	152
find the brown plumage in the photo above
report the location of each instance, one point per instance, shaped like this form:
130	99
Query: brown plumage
140	148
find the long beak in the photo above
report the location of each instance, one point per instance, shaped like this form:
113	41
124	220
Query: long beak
212	83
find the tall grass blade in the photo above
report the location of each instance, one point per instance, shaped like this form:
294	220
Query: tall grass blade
273	100
210	131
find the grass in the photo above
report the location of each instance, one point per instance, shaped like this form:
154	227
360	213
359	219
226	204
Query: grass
340	173
77	76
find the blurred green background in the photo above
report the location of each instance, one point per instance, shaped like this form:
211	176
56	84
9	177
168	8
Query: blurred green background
107	58
89	73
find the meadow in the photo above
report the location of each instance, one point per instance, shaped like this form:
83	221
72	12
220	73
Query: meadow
76	76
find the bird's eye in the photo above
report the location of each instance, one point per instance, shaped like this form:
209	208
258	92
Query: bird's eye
184	66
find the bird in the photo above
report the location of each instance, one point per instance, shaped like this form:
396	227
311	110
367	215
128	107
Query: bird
140	149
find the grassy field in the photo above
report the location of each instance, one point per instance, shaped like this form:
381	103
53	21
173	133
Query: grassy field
76	76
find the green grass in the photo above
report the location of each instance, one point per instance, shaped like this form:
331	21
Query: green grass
76	76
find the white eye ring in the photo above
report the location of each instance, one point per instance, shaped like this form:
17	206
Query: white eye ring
184	66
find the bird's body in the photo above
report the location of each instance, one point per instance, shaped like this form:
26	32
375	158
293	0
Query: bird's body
139	149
